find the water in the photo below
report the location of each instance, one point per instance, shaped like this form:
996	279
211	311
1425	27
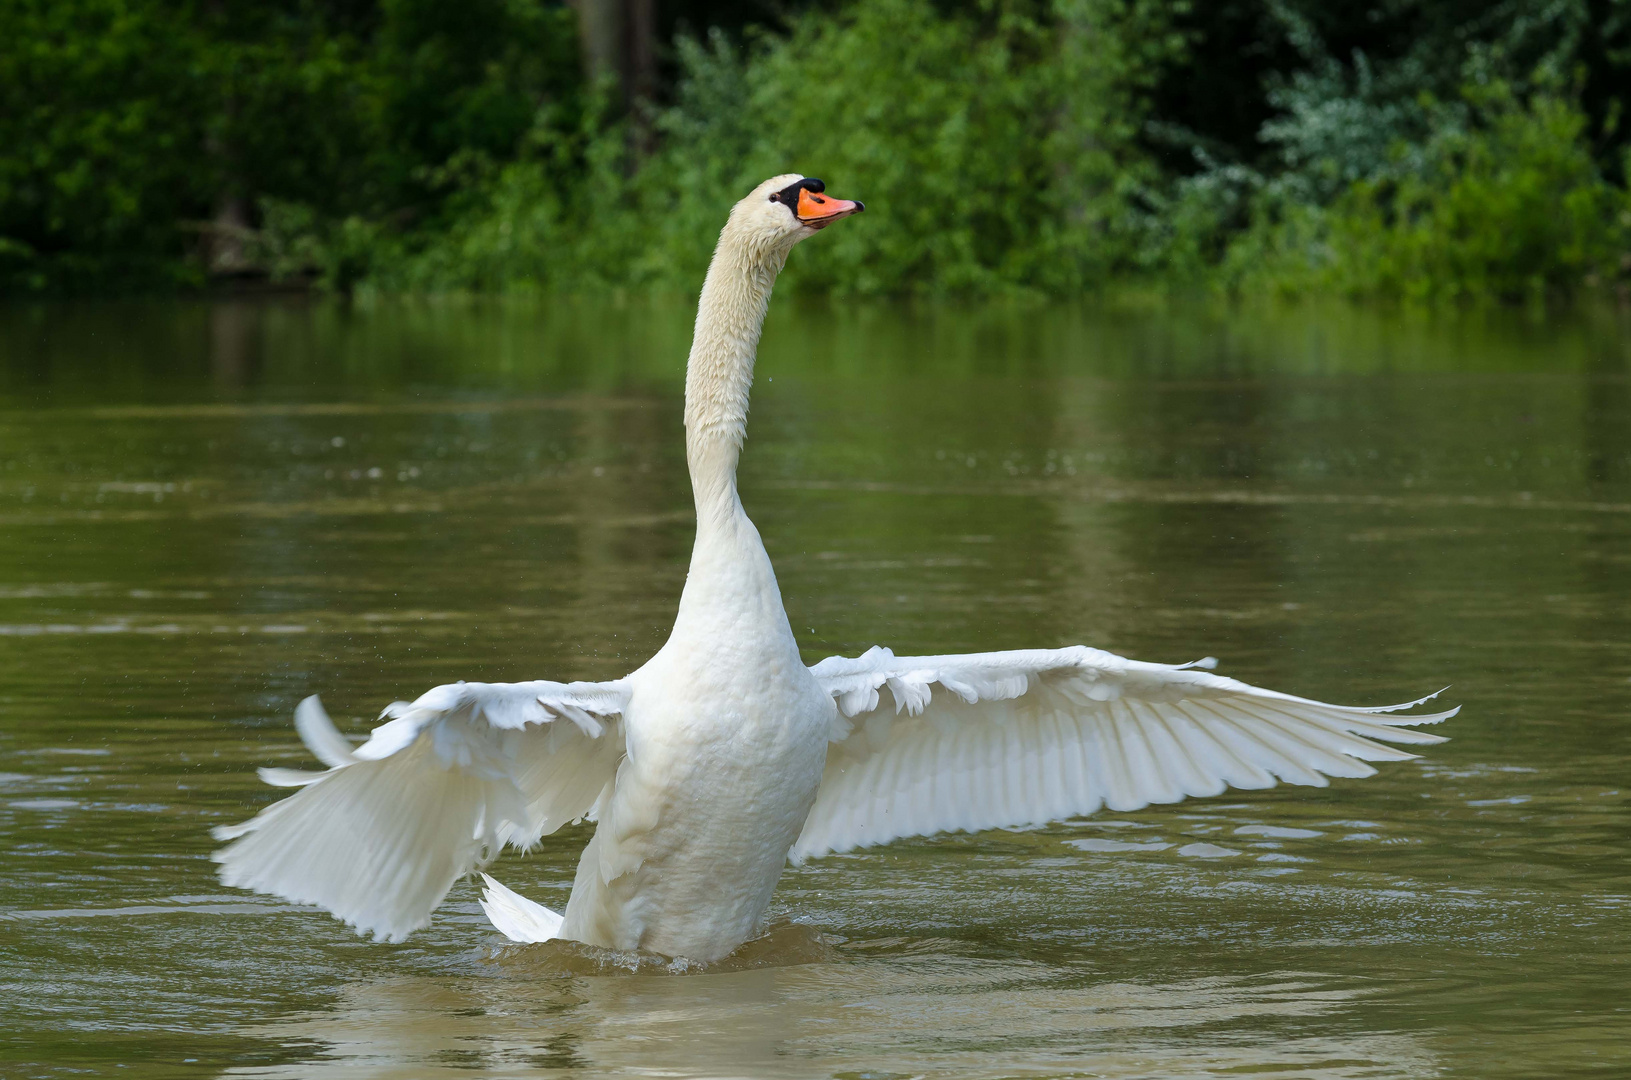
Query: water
210	511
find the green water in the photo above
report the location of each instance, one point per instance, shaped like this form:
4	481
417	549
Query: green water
210	511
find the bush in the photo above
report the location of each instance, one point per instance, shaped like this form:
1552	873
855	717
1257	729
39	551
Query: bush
1005	146
1507	205
999	146
97	121
135	131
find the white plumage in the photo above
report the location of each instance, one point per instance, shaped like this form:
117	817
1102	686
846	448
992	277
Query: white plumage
516	917
1037	735
380	838
724	755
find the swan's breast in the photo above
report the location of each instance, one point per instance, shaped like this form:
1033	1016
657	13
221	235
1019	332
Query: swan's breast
740	740
721	773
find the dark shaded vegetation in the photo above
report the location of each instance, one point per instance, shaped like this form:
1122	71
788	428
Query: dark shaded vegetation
1426	150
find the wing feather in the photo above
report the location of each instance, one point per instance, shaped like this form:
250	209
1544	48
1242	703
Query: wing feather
1167	759
1233	767
1121	765
434	793
1083	789
1210	765
1050	764
1181	768
920	806
1286	753
1016	738
1270	764
1314	746
320	735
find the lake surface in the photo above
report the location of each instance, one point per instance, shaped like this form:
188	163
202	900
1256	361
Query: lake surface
209	511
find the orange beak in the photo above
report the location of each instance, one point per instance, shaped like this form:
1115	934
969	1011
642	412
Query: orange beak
819	211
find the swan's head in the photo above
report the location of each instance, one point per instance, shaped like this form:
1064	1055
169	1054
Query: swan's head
785	209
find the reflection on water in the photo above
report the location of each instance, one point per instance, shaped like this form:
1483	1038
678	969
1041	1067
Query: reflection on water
782	943
208	511
894	1016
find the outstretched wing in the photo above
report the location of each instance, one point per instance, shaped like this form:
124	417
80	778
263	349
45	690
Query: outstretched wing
945	743
380	837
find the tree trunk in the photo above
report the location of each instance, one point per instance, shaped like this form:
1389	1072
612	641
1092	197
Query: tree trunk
227	236
600	38
617	40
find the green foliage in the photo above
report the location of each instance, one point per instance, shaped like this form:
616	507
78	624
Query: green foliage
1507	206
1048	146
1377	174
98	126
462	82
998	146
1002	148
128	124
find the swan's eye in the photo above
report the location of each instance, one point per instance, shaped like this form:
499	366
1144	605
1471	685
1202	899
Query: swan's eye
789	196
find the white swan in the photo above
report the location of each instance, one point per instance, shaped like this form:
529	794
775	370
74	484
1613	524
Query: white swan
724	755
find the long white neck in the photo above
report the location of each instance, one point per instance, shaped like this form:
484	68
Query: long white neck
731	600
719	373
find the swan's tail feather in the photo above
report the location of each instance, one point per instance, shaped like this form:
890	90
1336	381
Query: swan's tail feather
516	917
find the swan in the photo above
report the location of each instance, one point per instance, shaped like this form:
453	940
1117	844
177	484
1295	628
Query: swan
724	756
